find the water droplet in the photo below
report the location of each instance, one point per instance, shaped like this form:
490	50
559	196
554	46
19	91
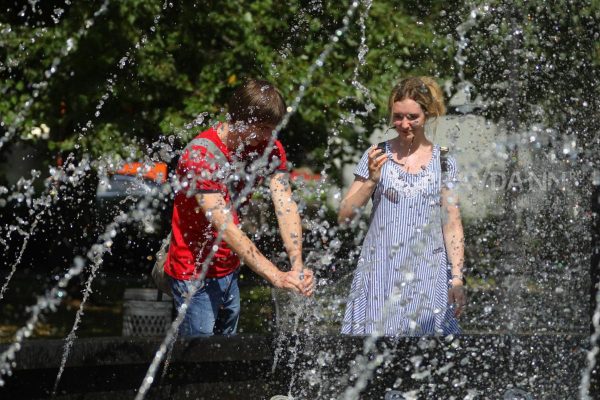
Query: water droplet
596	178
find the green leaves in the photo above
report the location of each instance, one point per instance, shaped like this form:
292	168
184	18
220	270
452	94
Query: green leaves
142	71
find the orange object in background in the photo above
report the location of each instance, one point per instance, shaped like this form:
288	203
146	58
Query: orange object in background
156	172
304	173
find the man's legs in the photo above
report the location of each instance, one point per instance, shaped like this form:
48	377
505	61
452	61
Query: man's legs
214	308
202	311
229	314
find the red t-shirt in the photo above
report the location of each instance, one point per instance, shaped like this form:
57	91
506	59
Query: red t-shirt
192	235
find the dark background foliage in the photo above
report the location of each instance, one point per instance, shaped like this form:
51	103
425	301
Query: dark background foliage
142	70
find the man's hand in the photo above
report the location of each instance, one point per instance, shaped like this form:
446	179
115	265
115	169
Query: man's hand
309	281
299	282
305	274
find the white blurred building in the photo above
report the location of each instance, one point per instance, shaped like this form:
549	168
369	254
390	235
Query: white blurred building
482	150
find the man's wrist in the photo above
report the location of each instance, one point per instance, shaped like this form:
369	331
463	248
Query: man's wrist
297	266
295	258
277	279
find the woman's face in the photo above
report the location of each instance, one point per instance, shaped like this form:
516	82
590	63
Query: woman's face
408	118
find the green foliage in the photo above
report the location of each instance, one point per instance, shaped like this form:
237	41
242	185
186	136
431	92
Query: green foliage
535	61
146	69
141	70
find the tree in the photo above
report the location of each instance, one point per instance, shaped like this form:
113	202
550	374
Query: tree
106	77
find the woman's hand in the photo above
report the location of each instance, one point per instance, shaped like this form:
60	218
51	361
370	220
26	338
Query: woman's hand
362	188
376	160
458	298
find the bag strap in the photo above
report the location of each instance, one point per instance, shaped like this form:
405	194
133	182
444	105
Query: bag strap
210	146
444	158
380	145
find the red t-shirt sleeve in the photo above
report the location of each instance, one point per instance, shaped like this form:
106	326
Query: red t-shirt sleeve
278	153
198	171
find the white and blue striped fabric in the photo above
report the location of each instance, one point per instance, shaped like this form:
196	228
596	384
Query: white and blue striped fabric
400	286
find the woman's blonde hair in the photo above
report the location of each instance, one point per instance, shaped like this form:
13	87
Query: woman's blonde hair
423	90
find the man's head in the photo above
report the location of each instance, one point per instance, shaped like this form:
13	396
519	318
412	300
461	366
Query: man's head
255	109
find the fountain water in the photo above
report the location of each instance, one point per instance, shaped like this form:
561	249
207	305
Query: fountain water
524	297
516	291
96	253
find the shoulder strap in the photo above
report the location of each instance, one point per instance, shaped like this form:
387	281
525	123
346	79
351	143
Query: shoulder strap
444	158
380	145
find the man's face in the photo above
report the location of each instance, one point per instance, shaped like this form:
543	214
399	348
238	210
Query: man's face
256	134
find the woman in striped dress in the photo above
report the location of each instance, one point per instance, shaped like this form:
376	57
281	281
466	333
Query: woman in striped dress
409	280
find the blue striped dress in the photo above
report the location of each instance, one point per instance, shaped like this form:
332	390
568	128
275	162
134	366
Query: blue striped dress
400	286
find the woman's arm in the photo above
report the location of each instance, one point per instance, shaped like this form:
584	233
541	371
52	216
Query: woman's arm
362	188
454	240
357	197
453	231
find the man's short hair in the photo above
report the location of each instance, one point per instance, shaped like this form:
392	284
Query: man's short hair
256	102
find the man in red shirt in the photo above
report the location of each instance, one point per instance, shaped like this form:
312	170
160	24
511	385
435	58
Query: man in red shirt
216	173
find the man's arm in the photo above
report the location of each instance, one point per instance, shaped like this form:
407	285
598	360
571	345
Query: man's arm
288	218
213	205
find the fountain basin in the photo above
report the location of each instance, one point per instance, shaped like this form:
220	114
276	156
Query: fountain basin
114	367
308	367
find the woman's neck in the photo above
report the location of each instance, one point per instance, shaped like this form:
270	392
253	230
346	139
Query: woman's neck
414	143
